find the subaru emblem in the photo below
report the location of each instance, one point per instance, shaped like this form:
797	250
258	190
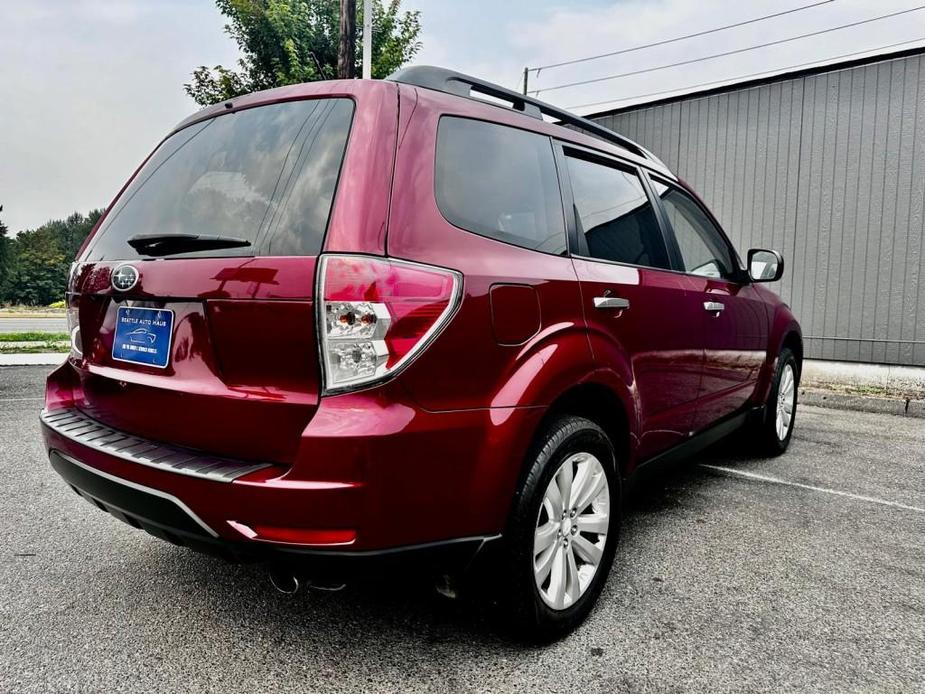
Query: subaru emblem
124	278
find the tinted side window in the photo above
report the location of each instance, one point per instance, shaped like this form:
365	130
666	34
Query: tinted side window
265	174
703	249
499	182
615	215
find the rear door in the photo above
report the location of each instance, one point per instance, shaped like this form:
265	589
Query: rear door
212	345
733	316
640	313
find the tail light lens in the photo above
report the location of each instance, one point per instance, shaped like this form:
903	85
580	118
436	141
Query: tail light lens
376	315
73	325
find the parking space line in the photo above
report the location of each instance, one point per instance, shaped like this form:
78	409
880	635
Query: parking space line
22	399
810	487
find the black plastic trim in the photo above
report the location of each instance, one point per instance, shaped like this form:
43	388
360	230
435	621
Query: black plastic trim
140	504
696	443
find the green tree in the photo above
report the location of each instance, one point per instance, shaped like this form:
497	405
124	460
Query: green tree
291	41
38	267
38	260
4	252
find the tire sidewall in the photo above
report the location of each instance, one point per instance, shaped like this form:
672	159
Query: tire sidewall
786	357
563	438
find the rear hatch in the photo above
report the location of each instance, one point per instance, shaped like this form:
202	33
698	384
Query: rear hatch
194	299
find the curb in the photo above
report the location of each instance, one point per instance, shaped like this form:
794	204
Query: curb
904	407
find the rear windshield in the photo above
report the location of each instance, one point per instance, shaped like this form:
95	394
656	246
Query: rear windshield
266	174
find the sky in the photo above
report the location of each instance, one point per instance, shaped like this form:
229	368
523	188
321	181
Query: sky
88	87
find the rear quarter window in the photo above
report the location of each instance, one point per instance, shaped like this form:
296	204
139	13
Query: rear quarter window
499	182
266	174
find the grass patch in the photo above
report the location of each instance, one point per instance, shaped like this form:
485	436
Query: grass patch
44	347
30	311
33	337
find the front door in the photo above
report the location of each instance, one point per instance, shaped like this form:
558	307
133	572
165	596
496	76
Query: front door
734	321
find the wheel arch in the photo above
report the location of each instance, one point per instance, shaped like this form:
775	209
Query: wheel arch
794	342
602	405
785	332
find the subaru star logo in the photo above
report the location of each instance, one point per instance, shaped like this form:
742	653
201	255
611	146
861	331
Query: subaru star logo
124	278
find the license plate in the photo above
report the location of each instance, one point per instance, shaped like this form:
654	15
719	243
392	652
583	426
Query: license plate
143	336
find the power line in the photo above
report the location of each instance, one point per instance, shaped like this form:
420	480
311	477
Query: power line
678	38
727	53
742	78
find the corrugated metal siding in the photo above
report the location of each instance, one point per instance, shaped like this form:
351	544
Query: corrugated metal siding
829	169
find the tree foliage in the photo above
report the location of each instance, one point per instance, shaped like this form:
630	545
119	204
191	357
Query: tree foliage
37	261
291	41
4	249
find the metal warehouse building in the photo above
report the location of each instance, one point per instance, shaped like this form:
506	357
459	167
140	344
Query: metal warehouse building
826	165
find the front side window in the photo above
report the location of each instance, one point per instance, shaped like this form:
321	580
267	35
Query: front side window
264	175
703	250
499	182
615	215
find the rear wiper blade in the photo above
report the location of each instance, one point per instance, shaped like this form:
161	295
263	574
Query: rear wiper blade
168	244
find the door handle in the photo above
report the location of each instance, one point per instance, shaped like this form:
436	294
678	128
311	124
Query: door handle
713	306
611	302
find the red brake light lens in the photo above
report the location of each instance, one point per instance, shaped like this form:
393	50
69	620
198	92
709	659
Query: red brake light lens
376	314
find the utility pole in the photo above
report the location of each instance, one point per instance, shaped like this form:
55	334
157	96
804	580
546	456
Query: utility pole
346	51
526	77
367	39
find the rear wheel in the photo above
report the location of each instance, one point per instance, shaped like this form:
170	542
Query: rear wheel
776	428
562	533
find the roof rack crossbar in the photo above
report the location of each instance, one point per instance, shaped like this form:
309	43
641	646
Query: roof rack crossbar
452	82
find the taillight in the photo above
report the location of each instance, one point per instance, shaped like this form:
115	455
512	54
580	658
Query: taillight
376	315
73	325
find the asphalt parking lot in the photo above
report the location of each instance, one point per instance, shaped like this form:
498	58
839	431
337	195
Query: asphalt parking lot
802	573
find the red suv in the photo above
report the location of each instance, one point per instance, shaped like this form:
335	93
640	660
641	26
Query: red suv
407	322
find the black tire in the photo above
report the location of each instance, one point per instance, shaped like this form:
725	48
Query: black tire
530	618
766	435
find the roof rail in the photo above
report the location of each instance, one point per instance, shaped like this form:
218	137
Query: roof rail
452	82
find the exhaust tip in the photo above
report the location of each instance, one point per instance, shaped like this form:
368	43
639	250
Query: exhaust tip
284	581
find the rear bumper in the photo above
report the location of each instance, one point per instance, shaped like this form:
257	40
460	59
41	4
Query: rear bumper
376	479
168	518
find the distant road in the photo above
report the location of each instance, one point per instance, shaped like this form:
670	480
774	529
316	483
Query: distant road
21	325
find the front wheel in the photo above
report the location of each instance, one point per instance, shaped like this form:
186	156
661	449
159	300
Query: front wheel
776	428
562	533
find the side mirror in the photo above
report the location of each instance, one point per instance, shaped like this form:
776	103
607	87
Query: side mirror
764	265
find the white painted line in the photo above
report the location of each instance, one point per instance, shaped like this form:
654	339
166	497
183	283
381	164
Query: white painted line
22	399
42	359
824	490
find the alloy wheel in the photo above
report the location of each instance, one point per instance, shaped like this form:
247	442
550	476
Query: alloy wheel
786	401
571	530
